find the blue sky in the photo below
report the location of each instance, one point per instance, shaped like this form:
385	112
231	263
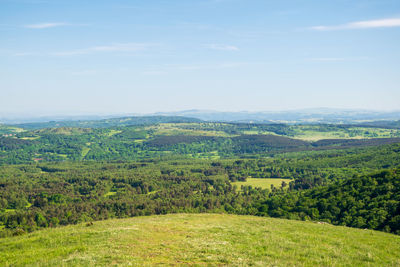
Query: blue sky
107	57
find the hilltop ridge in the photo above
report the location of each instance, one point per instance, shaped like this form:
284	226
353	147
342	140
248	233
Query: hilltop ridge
202	239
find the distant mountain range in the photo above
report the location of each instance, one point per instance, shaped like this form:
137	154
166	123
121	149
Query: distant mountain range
320	115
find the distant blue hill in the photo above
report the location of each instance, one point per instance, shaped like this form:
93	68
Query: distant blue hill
322	115
112	122
319	115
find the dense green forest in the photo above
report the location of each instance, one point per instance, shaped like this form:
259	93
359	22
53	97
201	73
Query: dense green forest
66	175
368	201
50	194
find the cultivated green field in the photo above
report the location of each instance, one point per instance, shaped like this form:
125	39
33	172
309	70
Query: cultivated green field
264	183
315	133
202	239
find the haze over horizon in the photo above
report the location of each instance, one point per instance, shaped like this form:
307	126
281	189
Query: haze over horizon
187	113
123	57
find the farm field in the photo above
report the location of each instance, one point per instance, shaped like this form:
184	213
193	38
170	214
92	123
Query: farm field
264	183
315	133
202	239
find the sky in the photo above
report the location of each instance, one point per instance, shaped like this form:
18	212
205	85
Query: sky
144	56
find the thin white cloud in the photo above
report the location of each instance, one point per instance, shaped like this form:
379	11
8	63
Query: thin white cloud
84	72
328	59
366	24
336	59
222	47
222	1
227	65
24	54
45	25
165	69
128	47
154	72
117	47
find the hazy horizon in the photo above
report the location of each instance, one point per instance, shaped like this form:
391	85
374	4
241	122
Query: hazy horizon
74	116
81	58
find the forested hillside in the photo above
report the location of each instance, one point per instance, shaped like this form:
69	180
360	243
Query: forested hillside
181	140
368	201
65	175
51	194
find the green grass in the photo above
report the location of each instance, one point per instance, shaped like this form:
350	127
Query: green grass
111	193
316	135
9	210
6	129
213	155
66	130
313	133
202	239
175	129
264	183
84	152
113	132
30	138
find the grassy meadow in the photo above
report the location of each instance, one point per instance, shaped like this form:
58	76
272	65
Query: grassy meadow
264	183
315	133
202	239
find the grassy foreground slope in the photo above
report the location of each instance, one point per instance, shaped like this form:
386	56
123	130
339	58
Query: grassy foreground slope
202	239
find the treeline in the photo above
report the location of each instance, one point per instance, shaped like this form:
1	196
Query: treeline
112	122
